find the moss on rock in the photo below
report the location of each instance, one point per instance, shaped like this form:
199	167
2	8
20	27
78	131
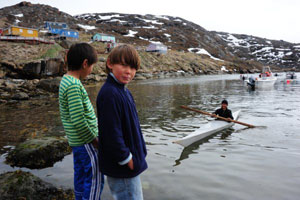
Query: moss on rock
24	185
39	153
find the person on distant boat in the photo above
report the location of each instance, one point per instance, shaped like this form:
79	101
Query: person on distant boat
224	111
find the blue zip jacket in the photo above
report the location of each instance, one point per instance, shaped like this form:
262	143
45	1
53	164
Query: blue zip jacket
120	134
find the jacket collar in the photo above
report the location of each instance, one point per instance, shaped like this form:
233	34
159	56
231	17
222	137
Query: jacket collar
113	80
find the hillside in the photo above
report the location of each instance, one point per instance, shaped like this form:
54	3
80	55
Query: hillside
269	52
176	33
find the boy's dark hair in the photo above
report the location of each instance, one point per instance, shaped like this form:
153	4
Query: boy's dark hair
225	102
124	54
78	53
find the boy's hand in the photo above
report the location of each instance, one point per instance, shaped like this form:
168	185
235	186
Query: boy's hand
130	164
95	142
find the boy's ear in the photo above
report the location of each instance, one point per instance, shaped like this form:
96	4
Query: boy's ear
108	64
85	63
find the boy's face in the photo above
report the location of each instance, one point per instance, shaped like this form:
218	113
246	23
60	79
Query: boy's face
224	106
124	73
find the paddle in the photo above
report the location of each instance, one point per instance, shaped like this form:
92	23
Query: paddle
216	116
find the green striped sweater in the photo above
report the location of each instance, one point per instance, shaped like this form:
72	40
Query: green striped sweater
76	112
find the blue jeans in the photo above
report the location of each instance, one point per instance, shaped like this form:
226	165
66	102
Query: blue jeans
125	188
88	181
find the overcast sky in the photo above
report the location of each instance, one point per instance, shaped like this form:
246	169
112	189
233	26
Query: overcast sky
272	19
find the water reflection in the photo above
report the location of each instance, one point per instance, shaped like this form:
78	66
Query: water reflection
228	165
191	149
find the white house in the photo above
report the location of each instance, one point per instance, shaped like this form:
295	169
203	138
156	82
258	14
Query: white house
155	47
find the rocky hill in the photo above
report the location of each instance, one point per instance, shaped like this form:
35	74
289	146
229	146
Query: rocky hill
177	33
269	52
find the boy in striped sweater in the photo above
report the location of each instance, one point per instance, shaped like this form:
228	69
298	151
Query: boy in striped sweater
80	122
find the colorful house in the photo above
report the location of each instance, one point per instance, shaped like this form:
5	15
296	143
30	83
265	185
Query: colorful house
60	29
104	38
156	47
58	25
20	31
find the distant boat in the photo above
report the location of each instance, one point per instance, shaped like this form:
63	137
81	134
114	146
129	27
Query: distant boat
207	130
265	79
291	75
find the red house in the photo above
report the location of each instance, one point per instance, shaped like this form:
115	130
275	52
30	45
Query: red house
1	31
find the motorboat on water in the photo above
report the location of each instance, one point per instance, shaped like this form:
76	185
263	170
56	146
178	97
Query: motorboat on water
266	78
291	75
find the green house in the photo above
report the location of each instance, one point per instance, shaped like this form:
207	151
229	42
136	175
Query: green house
104	38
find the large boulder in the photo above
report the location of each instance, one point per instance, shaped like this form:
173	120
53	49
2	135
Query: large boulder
51	85
20	96
39	153
24	185
33	69
66	44
54	66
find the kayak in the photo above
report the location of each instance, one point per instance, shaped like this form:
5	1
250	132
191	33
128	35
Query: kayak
207	130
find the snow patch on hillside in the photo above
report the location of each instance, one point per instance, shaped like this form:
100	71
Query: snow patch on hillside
117	20
131	33
162	17
235	42
19	15
86	27
202	51
108	17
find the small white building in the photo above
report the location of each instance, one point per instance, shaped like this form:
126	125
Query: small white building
155	47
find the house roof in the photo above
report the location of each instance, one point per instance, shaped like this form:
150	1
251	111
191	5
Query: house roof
22	27
103	34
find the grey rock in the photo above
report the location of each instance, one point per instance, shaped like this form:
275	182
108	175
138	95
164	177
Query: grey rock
101	59
32	69
51	85
39	153
24	185
9	86
20	96
140	78
54	66
66	44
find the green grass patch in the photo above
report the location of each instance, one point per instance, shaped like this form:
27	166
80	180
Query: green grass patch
53	52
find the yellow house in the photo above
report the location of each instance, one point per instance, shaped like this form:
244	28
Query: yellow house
21	31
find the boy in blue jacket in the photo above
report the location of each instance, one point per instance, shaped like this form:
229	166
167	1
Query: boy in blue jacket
122	148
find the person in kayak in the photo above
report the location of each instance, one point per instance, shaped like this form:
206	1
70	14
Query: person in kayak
224	111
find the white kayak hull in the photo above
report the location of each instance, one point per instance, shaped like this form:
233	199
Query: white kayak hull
207	130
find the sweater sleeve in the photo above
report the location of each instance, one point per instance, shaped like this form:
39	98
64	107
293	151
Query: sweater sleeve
76	111
109	110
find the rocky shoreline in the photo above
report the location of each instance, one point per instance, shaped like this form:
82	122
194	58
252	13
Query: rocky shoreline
24	185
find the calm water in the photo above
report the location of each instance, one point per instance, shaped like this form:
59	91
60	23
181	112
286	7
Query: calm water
240	163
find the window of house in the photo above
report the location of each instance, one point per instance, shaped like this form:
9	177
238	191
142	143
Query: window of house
29	31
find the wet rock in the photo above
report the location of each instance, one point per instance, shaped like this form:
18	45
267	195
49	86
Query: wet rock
32	69
24	185
54	66
140	78
66	44
10	86
94	77
20	96
51	85
39	153
101	59
5	95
